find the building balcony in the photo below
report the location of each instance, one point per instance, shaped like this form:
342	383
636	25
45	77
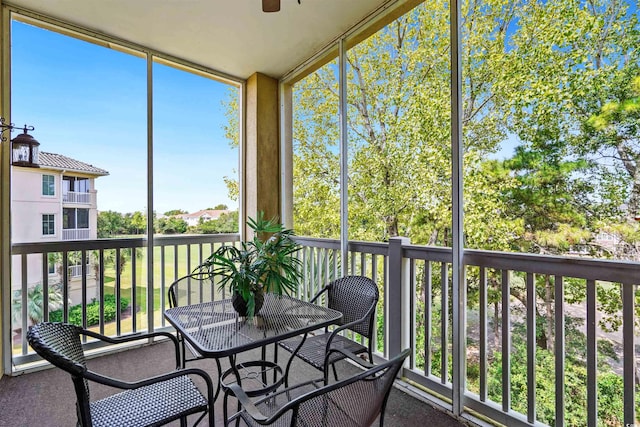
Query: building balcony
79	198
455	361
76	234
56	402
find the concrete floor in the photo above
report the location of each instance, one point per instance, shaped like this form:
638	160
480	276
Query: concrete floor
46	398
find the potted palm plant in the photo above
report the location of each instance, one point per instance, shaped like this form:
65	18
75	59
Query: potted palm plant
268	263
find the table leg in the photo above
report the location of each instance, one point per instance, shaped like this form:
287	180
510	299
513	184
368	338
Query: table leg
225	410
218	387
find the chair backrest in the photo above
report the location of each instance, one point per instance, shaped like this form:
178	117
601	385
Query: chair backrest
354	296
192	289
60	345
355	401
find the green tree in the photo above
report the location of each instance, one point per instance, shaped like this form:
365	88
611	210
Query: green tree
135	223
557	76
170	225
567	85
550	196
399	132
556	83
35	303
220	206
226	223
232	134
110	224
173	212
609	386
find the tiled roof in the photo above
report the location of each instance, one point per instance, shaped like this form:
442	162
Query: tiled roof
58	161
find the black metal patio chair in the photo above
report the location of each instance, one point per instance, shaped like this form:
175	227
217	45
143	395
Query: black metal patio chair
150	402
352	402
193	288
356	298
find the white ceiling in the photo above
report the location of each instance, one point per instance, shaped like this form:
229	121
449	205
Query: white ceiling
232	36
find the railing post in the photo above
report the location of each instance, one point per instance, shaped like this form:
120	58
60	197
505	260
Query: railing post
398	310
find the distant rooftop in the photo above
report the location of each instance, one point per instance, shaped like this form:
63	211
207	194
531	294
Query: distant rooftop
210	213
60	162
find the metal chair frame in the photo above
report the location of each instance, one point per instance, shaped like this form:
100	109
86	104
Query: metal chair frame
361	290
252	412
173	294
60	344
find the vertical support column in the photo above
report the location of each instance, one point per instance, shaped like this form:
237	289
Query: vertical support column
398	332
262	155
286	155
458	273
150	205
559	348
344	161
628	351
5	196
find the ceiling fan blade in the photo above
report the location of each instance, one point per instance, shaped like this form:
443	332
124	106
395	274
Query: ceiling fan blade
270	5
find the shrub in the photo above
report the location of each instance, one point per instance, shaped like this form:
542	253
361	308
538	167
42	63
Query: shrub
93	311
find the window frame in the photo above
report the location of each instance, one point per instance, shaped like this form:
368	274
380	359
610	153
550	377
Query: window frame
72	215
49	185
49	222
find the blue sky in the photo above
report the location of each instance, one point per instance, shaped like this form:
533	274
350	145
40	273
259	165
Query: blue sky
88	102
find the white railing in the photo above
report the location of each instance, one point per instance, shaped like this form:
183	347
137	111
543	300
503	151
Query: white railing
75	271
76	197
499	304
76	234
125	281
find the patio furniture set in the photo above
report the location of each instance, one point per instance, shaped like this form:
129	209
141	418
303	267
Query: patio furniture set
312	331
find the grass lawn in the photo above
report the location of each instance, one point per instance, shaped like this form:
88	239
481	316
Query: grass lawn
173	267
178	261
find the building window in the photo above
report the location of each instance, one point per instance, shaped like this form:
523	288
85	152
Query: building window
75	184
48	185
82	218
48	225
75	218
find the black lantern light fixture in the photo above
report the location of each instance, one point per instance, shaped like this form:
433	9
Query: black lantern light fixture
24	147
272	5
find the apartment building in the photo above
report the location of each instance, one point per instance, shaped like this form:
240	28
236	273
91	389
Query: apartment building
55	202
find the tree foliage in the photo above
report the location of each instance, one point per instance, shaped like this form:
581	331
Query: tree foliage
559	80
170	225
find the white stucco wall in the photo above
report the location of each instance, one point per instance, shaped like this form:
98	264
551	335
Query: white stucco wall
27	207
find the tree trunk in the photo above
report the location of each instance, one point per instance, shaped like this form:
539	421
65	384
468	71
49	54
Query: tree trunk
634	198
392	225
630	162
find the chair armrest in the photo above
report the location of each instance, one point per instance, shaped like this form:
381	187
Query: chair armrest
136	337
255	413
320	292
246	403
349	355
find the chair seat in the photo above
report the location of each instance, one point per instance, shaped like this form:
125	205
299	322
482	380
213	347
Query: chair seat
153	405
313	349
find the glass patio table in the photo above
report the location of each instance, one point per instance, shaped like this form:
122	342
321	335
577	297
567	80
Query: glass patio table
215	330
